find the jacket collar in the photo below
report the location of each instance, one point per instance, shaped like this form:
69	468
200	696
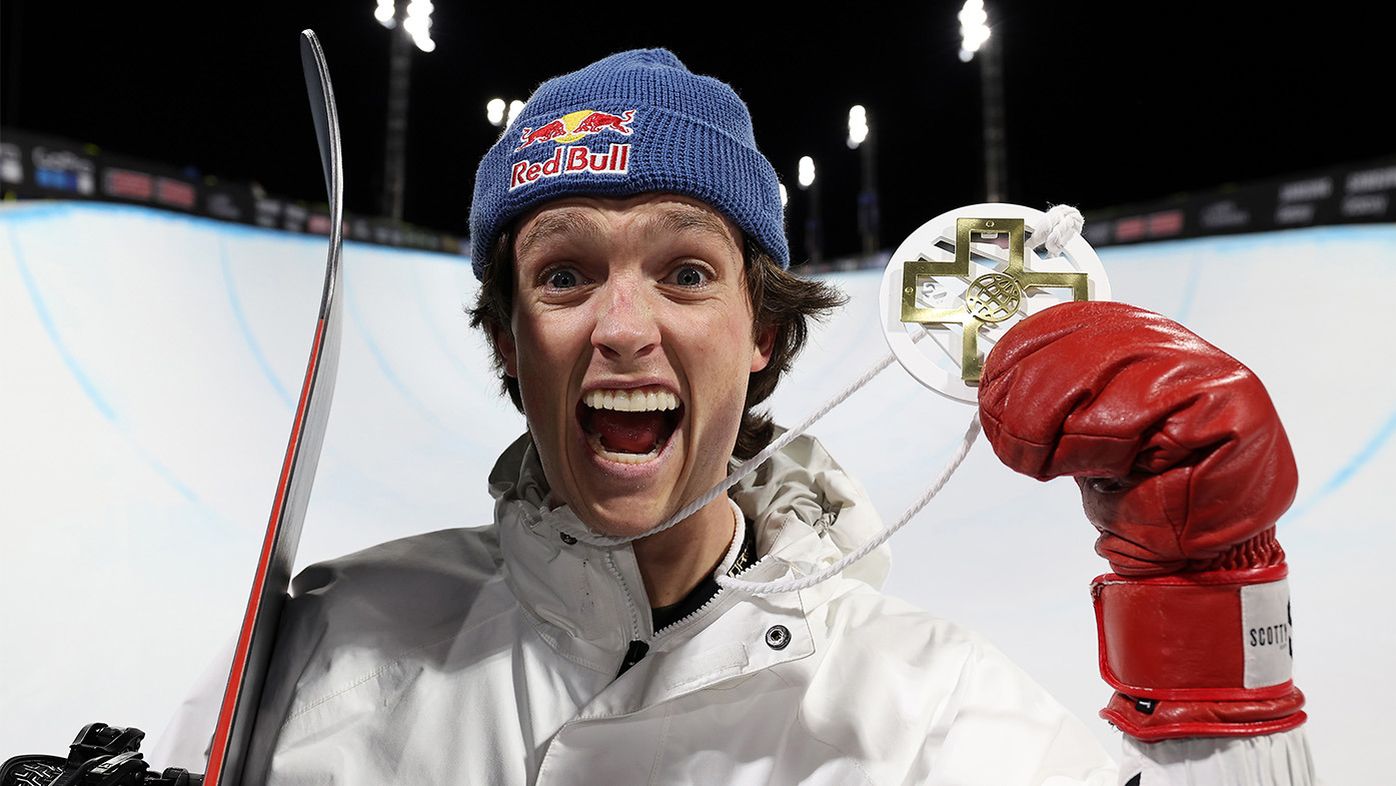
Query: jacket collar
590	602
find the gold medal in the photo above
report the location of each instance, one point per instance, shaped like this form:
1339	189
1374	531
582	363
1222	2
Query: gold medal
957	283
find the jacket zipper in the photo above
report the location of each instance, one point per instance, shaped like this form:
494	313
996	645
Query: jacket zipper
633	654
638	647
701	610
712	600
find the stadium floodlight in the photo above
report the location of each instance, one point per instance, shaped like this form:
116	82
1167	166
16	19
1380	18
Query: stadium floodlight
974	35
974	28
410	25
857	126
418	24
386	14
515	107
784	196
494	110
814	230
858	139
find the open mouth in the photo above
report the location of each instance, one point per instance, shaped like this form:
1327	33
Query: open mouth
629	426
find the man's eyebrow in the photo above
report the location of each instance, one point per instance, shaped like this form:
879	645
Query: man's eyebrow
683	218
562	222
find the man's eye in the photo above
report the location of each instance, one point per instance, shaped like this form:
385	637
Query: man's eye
690	276
563	278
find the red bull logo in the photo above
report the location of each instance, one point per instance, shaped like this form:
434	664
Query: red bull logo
571	159
576	125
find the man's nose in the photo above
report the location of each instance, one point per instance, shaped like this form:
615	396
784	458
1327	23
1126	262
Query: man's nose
626	328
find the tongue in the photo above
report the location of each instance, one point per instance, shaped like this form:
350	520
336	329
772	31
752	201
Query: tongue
628	432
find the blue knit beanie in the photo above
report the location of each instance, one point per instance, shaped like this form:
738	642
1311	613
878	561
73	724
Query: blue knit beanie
632	123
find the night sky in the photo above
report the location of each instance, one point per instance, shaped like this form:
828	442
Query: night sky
1107	104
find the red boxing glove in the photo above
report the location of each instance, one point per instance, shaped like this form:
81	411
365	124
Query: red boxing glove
1184	468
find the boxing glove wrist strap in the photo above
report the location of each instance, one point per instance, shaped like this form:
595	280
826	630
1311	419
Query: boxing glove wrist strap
1208	636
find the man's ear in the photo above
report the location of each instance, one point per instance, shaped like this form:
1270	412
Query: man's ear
504	344
765	344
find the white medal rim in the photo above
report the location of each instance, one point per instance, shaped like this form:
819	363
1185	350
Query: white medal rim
1077	252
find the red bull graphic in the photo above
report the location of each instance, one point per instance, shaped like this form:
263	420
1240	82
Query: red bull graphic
544	133
571	159
576	125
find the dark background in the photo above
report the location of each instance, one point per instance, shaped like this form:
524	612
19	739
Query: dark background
1106	104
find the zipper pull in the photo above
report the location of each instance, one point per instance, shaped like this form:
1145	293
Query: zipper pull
633	654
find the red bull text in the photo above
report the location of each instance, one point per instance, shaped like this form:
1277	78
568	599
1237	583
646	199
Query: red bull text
571	159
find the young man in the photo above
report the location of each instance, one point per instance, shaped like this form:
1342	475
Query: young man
630	242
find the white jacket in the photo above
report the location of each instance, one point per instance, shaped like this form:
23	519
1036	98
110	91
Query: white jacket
490	655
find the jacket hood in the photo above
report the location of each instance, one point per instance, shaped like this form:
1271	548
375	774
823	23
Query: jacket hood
806	509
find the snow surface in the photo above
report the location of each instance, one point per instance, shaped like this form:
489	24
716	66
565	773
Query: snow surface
149	362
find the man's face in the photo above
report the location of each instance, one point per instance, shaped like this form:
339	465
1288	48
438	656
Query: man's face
632	342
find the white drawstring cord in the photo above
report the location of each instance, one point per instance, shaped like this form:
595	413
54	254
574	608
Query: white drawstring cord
793	584
750	465
1057	227
745	468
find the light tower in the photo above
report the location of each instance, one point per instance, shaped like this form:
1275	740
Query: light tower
974	38
814	231
860	138
410	23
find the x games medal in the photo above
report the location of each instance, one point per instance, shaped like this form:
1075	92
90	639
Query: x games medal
963	278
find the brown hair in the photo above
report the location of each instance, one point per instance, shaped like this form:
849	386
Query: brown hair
778	298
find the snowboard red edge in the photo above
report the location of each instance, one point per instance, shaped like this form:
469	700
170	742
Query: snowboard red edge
233	732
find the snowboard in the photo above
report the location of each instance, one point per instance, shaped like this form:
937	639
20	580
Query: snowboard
237	714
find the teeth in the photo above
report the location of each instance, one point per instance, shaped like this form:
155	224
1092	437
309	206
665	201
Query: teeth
594	440
632	400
